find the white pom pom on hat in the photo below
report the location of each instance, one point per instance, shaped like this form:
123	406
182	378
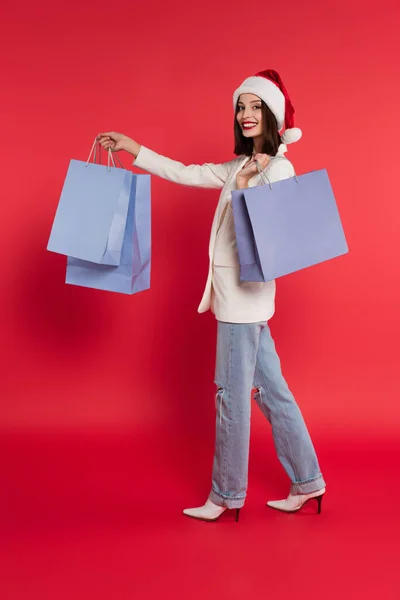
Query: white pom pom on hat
268	86
292	135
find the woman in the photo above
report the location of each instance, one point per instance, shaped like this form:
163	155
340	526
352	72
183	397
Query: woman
246	355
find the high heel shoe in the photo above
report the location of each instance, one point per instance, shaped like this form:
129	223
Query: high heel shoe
208	512
294	502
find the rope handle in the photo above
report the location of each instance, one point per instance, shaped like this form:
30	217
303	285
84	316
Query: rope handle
263	175
110	157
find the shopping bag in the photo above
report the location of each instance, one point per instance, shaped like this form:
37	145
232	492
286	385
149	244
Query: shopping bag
133	273
91	215
287	226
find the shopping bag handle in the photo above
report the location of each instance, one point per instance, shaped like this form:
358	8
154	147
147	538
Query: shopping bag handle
109	153
263	175
261	172
110	158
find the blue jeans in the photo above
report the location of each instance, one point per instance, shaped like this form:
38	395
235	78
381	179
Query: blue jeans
247	359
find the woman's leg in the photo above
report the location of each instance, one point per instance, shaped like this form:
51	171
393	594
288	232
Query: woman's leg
292	440
237	345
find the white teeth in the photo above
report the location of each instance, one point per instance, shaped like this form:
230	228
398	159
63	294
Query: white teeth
249	126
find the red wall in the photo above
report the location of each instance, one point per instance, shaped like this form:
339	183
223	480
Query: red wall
164	74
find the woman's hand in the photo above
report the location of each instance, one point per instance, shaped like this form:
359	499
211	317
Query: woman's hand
118	141
250	169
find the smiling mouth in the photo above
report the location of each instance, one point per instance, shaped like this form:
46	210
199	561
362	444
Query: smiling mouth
249	125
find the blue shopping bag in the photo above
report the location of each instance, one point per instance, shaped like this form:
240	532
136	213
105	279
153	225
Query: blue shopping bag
287	226
91	215
133	273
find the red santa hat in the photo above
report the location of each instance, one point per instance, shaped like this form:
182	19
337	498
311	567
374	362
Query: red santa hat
268	86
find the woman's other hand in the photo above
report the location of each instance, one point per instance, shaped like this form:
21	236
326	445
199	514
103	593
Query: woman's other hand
250	169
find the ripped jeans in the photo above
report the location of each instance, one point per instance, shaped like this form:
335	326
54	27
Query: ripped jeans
247	359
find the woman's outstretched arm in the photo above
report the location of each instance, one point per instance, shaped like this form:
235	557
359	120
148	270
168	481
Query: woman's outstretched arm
208	175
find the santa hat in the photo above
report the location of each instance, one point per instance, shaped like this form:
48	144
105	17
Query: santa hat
268	86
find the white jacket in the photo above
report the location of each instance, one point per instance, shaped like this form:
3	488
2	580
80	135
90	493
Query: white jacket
229	299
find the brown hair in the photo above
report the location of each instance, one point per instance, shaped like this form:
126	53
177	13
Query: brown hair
271	137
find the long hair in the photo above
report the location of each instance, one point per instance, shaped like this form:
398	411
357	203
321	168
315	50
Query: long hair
270	133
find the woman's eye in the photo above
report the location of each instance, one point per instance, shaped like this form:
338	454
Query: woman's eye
241	107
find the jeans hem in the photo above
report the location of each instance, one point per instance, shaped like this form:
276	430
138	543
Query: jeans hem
307	487
224	501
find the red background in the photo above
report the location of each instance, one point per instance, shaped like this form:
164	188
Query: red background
103	391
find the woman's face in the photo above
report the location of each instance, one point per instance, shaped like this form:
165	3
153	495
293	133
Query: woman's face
249	115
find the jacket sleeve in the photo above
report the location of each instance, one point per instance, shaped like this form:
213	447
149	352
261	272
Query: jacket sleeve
208	175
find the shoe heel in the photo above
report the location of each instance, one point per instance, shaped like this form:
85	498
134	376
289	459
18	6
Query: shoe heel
319	500
237	514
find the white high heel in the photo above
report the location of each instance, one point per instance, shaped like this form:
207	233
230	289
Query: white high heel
208	512
294	502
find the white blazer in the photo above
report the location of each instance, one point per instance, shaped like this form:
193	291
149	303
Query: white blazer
228	298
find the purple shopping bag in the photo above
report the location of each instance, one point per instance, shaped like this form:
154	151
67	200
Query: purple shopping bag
132	275
287	226
92	210
103	225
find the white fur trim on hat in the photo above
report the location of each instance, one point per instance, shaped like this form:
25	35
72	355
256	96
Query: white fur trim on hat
267	91
290	136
